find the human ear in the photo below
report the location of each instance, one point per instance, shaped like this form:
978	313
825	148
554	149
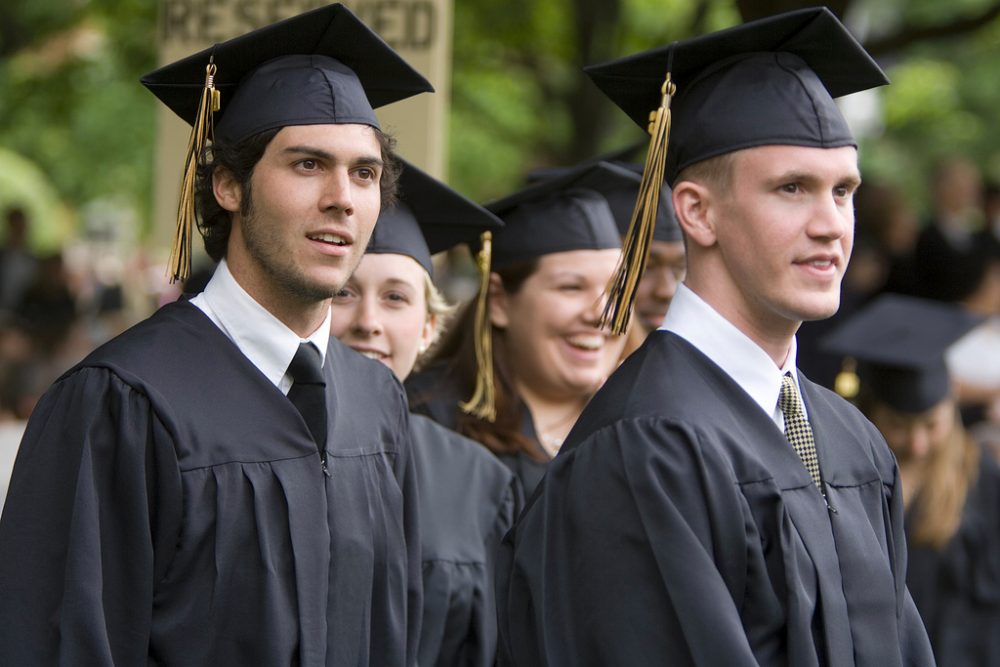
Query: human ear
694	209
428	333
498	303
227	190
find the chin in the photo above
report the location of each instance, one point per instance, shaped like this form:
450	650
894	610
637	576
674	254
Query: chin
818	308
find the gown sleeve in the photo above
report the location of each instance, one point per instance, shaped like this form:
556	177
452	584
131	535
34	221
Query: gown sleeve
89	526
621	546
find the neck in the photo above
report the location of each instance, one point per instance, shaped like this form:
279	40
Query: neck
553	417
773	335
303	316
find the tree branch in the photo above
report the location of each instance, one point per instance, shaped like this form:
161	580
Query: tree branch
890	44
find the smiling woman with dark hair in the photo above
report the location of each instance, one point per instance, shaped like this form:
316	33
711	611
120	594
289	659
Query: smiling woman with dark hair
551	263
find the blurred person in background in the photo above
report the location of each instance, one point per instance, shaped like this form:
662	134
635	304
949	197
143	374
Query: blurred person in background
551	262
951	486
950	233
17	263
881	261
391	310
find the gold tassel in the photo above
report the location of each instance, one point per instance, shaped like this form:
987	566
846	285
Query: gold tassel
202	129
847	383
635	247
483	401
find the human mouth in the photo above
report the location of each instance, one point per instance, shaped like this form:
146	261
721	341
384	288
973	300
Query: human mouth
333	239
588	343
377	355
824	266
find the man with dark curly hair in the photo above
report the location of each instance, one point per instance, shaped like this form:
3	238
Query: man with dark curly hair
226	484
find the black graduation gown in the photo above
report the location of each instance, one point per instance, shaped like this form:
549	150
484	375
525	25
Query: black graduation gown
678	527
168	506
468	501
957	588
432	394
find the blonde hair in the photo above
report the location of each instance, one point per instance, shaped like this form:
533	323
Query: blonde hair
715	172
949	473
439	311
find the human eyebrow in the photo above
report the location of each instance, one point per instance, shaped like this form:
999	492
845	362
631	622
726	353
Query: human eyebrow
320	154
397	282
852	183
369	161
309	151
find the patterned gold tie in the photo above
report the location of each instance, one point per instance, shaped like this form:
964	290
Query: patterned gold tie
797	429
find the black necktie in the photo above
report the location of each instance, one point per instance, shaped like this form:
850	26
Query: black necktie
308	392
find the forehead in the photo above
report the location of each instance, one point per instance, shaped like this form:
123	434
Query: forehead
776	160
380	268
347	139
580	262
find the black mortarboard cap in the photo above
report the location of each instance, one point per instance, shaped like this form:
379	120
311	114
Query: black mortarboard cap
621	198
900	342
429	217
322	66
559	214
770	81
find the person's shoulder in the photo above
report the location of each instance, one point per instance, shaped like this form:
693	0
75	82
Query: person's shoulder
665	379
824	404
170	331
445	445
360	371
435	392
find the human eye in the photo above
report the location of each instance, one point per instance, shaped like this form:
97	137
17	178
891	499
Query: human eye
307	164
843	192
790	188
369	174
344	295
397	298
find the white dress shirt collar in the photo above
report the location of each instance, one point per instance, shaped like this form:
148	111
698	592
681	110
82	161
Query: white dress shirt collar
694	320
260	336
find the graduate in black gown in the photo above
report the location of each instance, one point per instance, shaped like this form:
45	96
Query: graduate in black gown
170	503
712	506
390	310
951	485
551	261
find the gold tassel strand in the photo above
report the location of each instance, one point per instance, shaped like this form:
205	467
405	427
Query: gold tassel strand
202	129
483	401
635	248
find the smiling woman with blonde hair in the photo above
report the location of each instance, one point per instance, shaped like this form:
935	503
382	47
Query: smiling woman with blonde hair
390	310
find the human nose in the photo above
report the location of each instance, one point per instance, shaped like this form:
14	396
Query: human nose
665	285
337	194
832	218
366	319
920	442
592	314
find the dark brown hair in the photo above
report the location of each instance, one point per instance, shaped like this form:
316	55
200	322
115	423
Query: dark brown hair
215	223
457	354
